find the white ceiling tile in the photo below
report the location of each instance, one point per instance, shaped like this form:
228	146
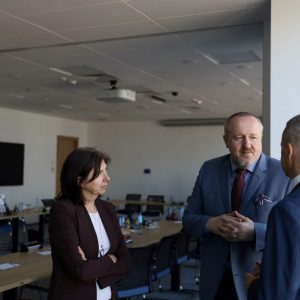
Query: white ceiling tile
171	8
29	41
218	19
38	6
134	46
137	28
52	52
90	16
10	26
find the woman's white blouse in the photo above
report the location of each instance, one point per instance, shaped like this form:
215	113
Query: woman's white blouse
104	245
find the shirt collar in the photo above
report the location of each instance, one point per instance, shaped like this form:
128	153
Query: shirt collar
250	168
293	183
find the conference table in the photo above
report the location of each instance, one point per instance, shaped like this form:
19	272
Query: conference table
26	267
37	264
153	234
14	218
118	202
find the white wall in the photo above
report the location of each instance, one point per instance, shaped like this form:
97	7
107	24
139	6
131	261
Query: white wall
174	155
38	133
285	71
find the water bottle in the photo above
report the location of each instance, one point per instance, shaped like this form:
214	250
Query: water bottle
140	218
181	212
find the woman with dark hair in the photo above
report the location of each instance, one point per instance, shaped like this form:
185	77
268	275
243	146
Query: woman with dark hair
88	250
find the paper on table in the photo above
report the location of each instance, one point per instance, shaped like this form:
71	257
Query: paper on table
45	252
6	266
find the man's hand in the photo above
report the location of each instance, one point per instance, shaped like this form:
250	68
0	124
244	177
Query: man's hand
244	227
222	225
232	227
249	277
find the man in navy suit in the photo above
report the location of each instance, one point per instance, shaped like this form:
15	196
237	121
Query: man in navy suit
280	268
232	240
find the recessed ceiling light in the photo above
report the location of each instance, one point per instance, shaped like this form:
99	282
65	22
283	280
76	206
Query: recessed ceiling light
144	106
186	111
157	102
211	59
66	106
227	83
198	101
190	61
258	91
61	71
73	81
103	114
17	96
244	81
244	67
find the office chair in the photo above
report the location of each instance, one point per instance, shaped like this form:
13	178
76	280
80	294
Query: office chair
5	228
40	290
153	210
181	254
162	262
130	208
138	282
194	253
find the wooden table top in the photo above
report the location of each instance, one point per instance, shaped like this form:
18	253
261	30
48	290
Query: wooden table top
25	213
143	202
34	266
147	236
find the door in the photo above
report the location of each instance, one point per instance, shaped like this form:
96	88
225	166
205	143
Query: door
65	145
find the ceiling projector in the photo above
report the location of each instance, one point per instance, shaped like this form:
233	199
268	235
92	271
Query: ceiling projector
116	95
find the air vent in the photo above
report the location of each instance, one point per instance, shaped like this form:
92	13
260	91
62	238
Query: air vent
89	72
235	57
192	122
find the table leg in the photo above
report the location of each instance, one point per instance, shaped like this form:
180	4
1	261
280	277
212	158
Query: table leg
175	278
15	234
41	229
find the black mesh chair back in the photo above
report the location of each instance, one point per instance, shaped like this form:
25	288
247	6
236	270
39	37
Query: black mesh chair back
129	208
48	202
138	282
133	208
181	248
153	210
163	257
195	253
180	256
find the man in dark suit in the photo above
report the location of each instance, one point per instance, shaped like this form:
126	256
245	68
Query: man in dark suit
280	268
232	234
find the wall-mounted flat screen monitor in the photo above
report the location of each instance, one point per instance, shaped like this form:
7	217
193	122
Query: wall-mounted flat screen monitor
11	164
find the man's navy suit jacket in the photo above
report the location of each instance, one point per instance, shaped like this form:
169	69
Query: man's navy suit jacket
280	269
212	197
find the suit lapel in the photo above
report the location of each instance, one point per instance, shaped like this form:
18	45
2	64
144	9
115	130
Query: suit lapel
226	187
106	220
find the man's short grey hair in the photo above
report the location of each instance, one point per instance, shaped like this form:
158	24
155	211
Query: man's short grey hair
237	115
